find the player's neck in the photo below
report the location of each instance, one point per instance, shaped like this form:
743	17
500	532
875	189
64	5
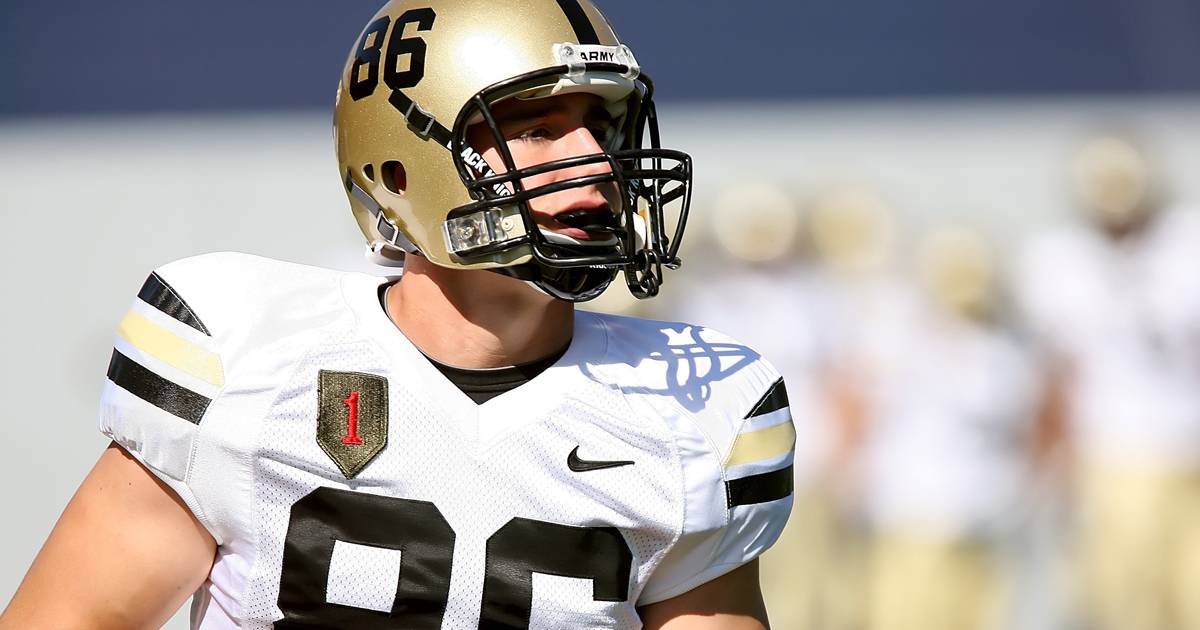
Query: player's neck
477	319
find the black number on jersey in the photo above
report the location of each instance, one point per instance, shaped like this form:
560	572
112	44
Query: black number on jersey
410	50
328	515
514	552
524	546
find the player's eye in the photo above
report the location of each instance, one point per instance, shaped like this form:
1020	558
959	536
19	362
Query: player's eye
533	134
604	132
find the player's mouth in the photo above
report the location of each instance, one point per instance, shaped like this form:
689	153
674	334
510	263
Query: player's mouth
597	223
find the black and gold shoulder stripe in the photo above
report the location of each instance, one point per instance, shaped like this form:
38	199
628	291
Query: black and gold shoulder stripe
157	293
172	398
174	349
769	486
763	445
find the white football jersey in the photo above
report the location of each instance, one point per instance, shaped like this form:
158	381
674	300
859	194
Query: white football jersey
1126	315
951	403
349	484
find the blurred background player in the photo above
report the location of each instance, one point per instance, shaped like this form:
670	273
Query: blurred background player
949	398
853	236
1116	302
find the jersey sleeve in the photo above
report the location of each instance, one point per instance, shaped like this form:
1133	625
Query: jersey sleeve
165	372
736	463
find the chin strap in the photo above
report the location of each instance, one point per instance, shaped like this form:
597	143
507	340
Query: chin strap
392	236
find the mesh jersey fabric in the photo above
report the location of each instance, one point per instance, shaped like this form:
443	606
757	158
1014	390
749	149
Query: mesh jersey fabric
467	515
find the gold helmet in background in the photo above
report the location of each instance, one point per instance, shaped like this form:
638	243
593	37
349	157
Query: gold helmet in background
422	72
852	231
756	223
1113	179
956	266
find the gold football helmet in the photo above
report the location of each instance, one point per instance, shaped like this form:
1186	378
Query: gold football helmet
423	71
1113	179
956	266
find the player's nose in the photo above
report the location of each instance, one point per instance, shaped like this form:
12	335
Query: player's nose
580	142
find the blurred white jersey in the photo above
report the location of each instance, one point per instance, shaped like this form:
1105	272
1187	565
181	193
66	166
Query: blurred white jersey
1126	317
950	404
349	484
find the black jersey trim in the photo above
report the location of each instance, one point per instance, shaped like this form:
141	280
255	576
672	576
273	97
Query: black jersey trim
174	399
584	30
483	385
157	293
769	486
774	400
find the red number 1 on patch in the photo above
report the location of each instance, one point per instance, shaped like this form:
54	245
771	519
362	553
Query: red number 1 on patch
351	403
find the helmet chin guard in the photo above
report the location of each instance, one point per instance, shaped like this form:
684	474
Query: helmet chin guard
570	284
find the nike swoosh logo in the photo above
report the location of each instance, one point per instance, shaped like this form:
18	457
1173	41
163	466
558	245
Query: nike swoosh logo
583	465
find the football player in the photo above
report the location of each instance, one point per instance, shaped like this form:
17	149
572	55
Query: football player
304	448
942	380
1115	305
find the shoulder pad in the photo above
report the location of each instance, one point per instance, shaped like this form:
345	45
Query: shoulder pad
728	410
192	327
724	386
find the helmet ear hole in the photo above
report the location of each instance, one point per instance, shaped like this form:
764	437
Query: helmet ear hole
395	178
368	171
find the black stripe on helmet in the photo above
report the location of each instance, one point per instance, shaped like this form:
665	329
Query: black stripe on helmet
585	32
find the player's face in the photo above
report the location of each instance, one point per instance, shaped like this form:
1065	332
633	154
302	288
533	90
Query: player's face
554	128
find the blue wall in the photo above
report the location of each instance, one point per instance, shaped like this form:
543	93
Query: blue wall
166	55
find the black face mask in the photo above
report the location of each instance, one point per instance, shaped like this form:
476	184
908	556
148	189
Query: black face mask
652	177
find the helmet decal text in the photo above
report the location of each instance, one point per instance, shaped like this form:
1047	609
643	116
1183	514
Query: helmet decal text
476	161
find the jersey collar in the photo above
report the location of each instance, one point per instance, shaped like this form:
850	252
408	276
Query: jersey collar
495	418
